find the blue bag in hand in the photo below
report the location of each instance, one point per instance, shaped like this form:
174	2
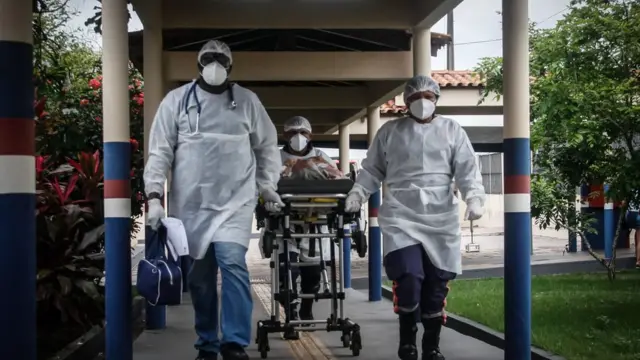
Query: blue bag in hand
159	274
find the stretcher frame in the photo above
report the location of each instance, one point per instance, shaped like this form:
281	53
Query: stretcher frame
278	227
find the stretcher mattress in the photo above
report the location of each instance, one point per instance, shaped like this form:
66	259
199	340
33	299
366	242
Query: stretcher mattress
315	187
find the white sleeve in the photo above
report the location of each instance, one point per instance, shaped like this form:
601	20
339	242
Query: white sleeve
465	169
374	166
264	142
162	141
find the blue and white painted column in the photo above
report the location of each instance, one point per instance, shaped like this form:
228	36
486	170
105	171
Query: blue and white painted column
609	226
17	183
343	148
375	237
117	185
517	170
153	94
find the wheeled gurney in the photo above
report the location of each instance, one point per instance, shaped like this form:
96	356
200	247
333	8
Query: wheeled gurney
311	203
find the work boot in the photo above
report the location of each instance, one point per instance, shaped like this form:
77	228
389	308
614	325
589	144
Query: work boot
233	351
431	339
205	355
306	311
407	349
289	333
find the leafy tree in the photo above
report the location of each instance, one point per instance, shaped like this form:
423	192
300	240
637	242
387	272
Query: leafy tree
585	111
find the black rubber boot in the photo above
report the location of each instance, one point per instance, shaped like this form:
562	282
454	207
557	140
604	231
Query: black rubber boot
205	355
431	339
233	351
290	334
306	309
407	349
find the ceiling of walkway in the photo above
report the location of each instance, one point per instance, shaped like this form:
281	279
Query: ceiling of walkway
326	60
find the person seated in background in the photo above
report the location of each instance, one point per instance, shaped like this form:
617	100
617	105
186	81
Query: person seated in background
297	134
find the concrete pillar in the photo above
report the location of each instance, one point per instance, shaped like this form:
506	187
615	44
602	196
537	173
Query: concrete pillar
154	90
17	183
375	238
343	147
421	51
117	188
517	170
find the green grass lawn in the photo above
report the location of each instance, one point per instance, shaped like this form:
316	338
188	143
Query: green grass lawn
578	316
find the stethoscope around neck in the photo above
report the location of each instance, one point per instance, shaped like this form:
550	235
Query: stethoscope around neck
192	91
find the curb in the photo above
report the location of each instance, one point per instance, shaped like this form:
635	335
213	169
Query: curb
480	332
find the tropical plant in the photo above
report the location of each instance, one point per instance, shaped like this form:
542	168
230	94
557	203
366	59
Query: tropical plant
585	111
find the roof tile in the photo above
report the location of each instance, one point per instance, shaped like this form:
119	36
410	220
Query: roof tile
446	79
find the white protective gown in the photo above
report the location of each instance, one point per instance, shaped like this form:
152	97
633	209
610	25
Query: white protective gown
218	169
302	247
418	162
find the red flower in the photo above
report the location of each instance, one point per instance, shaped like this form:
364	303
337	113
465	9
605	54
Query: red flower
134	145
99	77
137	83
98	119
130	87
84	102
95	84
138	100
132	173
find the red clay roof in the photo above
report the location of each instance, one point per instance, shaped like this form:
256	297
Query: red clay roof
446	79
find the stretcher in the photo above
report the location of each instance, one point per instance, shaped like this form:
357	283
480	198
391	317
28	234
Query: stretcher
312	203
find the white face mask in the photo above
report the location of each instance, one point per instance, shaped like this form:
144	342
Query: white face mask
298	142
214	74
422	109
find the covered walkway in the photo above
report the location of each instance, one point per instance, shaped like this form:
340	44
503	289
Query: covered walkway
362	54
377	320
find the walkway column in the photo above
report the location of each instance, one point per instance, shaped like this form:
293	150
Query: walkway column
17	183
517	168
343	147
153	94
375	238
421	52
117	186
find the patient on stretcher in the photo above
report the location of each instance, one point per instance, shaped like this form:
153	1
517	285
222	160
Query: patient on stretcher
301	160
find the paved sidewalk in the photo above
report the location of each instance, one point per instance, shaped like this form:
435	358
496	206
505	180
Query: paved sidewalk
379	329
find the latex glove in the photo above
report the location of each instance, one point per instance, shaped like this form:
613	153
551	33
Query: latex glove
474	210
155	213
272	201
353	203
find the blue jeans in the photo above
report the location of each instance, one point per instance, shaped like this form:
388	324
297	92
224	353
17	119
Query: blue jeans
237	304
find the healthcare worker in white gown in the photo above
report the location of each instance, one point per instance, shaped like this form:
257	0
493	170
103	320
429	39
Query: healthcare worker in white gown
298	145
417	157
221	146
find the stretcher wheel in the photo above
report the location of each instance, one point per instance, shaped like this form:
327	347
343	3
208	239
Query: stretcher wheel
360	241
263	343
356	343
267	243
346	340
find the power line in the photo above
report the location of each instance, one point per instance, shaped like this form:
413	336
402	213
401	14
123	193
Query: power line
494	40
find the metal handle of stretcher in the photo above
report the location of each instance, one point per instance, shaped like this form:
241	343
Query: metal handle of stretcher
310	195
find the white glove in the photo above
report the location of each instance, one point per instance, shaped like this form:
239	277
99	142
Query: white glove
272	201
155	213
474	210
353	203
